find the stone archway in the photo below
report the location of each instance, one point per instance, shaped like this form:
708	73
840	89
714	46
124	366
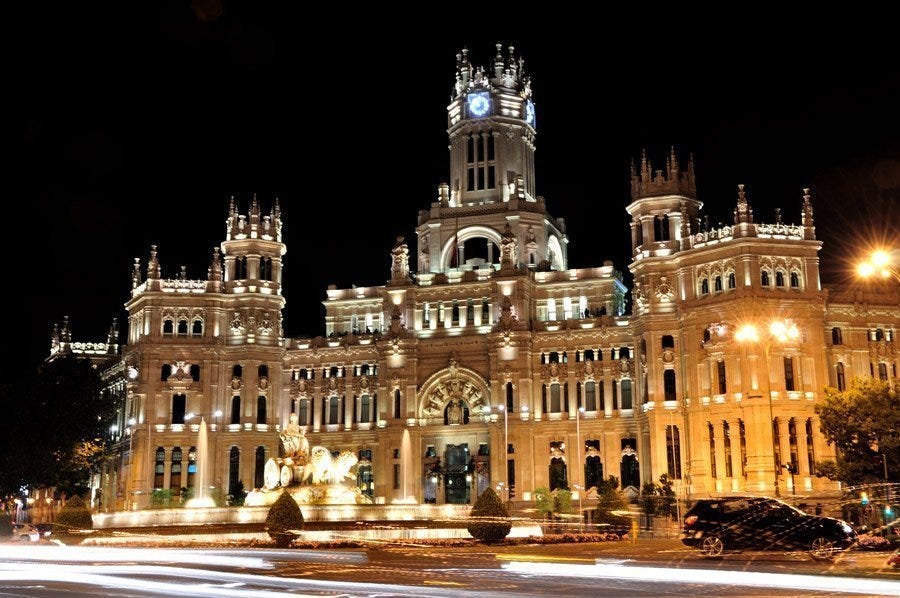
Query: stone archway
450	392
463	235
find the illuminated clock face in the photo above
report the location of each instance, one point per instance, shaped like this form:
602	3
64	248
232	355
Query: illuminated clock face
479	104
529	113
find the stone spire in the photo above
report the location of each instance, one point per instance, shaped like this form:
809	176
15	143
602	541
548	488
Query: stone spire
742	212
806	216
670	180
112	337
685	221
153	264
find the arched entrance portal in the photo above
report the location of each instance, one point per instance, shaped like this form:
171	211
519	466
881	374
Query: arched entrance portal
453	415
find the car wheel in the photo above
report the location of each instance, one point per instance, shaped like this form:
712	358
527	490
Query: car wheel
712	547
822	549
25	538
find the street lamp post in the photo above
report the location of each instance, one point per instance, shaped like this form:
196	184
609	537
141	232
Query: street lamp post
781	331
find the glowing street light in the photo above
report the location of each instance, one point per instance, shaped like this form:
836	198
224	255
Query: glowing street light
879	264
780	331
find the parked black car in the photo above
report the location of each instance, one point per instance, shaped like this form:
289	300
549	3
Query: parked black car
735	523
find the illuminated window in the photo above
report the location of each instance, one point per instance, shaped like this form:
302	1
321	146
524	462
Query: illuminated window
175	472
159	468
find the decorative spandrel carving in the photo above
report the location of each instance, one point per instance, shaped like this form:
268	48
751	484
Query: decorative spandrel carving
265	324
881	350
507	314
396	328
364	384
552	372
299	387
664	292
237	323
332	385
640	298
507	249
622	368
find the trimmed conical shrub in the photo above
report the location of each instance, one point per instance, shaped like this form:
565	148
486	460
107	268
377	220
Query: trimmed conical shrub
6	527
283	520
73	516
489	519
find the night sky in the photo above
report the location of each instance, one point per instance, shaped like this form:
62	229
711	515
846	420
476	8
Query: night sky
131	130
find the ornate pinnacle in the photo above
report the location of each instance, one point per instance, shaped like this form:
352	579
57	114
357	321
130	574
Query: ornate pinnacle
807	216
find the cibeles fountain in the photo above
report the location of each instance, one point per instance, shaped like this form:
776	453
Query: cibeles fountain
313	476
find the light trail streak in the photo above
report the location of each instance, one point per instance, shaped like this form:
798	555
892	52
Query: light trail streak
703	576
81	554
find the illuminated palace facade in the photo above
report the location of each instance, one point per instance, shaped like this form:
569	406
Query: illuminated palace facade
486	360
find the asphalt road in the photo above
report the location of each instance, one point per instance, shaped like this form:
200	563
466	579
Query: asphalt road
647	568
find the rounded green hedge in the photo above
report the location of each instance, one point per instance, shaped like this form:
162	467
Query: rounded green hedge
74	516
283	520
489	519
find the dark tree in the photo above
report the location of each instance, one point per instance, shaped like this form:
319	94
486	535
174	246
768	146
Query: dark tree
53	427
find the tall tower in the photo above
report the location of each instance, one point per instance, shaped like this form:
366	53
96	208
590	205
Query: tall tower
253	250
492	129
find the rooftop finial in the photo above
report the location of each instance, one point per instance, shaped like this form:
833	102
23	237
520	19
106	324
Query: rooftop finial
778	216
153	264
232	208
807	214
136	273
276	209
742	212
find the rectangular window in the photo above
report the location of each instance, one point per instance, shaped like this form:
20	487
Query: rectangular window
626	394
491	180
470	150
470	179
396	476
303	412
789	373
673	452
555	406
590	396
669	390
365	409
712	451
551	309
397	404
333	411
178	405
490	145
723	384
729	473
601	386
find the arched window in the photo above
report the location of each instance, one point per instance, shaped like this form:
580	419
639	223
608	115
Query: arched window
779	279
882	371
795	280
159	468
182	326
837	336
669	385
178	403
197	329
168	326
234	471
841	381
236	409
261	409
175	472
558	474
764	278
260	467
704	286
732	283
717	284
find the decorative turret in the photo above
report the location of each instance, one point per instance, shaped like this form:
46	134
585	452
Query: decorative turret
112	338
136	273
671	181
492	128
663	204
742	212
214	273
252	249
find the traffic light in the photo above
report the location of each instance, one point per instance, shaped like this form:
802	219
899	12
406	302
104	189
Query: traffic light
864	498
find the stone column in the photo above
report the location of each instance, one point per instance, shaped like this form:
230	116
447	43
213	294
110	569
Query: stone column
734	429
784	444
719	433
802	459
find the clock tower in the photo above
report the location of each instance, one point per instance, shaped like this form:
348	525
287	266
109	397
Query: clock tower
492	129
491	193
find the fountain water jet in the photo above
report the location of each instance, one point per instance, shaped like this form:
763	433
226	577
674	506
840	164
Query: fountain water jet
406	477
201	499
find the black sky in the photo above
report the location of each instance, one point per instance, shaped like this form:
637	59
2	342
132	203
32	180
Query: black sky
131	130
